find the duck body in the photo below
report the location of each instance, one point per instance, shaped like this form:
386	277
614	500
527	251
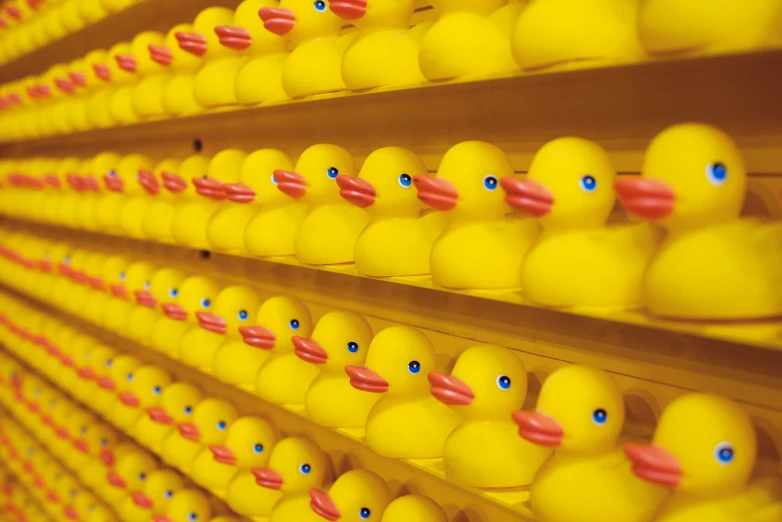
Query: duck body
328	234
272	232
289	390
331	401
245	497
314	67
237	363
190	222
198	346
226	229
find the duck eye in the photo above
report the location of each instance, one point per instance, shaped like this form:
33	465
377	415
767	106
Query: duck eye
142	476
332	172
294	324
205	302
188	410
258	449
600	416
129	377
83	430
414	367
503	381
405	180
352	346
588	183
221	425
112	173
66	260
717	173
243	315
157	390
274	180
724	453
147	286
122	276
169	494
364	513
109	363
192	517
320	6
305	469
104	442
173	293
490	182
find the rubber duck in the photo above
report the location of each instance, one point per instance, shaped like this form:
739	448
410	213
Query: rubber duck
248	444
121	79
196	294
163	286
702	269
124	198
562	33
583	431
137	198
134	62
489	245
98	104
136	279
413	508
145	387
398	240
356	495
219	328
178	99
469	39
255	192
120	378
314	66
110	204
102	361
385	51
295	466
328	233
188	505
486	385
153	67
97	444
407	422
111	280
211	419
176	406
704	449
667	27
339	339
129	474
183	193
87	83
570	190
157	220
160	487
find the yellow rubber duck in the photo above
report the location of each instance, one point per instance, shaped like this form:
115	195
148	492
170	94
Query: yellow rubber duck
121	374
328	233
385	51
570	189
97	103
486	385
314	66
565	32
111	279
248	444
713	264
667	27
153	66
339	339
211	419
413	508
407	422
144	391
398	240
160	487
120	78
118	309
97	442
163	287
355	496
295	466
85	82
176	406
188	505
583	431
157	220
489	245
183	193
136	197
704	449
219	327
110	204
129	474
134	62
178	99
469	39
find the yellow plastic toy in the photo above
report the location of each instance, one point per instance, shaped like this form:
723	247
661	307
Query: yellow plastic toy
143	392
338	340
704	449
136	200
413	508
111	279
385	52
398	240
153	66
188	505
157	220
98	113
177	93
667	26
355	496
570	189
122	77
328	233
567	32
713	264
163	286
110	204
159	488
587	464
176	406
407	422
315	64
248	444
184	194
118	309
482	247
469	39
487	384
121	374
129	474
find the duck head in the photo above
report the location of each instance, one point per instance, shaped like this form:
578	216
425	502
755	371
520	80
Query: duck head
178	183
296	465
119	71
257	183
201	40
135	279
248	444
482	7
247	31
159	489
278	320
354	497
131	471
210	422
186	506
177	403
99	439
122	372
123	176
301	20
147	387
139	59
223	168
234	307
374	14
339	339
170	55
114	275
314	178
163	288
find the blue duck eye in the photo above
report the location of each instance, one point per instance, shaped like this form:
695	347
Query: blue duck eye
142	476
147	286
173	293
221	425
600	416
103	442
243	315
122	276
169	494
157	390
192	517
258	449
205	302
274	180
112	173
129	377
294	324
332	172
188	410
490	182
320	6
405	180
414	367
305	469
717	173
364	513
67	261
588	183
83	430
503	381
724	453
352	346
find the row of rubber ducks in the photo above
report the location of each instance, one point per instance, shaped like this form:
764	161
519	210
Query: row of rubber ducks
269	51
474	225
697	468
26	25
17	503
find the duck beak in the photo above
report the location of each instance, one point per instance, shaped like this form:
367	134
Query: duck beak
65	85
357	191
267	478
129	399
102	71
654	464
277	21
258	336
364	379
126	62
86	374
174	311
291	184
239	192
212	322
161	518
309	350
78	78
62	433
539	429
348	9
450	390
146	299
173	182
646	198
526	195
113	478
209	188
119	291
437	193
107	457
189	431
223	455
148	182
161	54
52	497
71	513
192	43
323	505
159	415
236	38
107	383
53	181
81	445
141	500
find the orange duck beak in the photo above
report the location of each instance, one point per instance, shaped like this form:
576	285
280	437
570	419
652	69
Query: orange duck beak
145	298
277	21
309	350
539	429
212	322
364	379
81	445
348	9
189	431
78	78
159	415
648	199
355	190
174	311
127	62
654	464
526	195
102	71
236	38
65	85
223	455
437	193
258	336
209	188
192	43
322	504
291	184
141	500
148	182
239	192
450	390
267	478
113	478
161	55
129	399
173	182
